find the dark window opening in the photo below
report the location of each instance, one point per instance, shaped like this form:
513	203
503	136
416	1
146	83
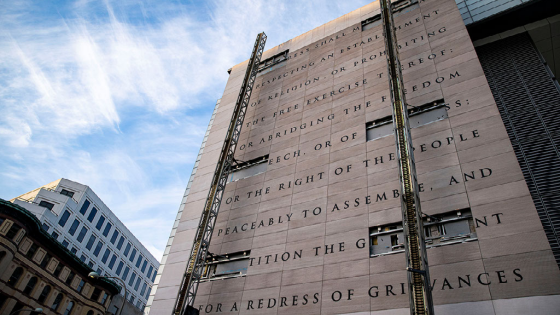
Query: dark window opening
74	227
46	260
67	193
92	214
98	248
274	61
108	227
84	207
244	169
226	266
100	223
44	294
30	286
106	256
70	277
112	261
417	116
46	204
45	227
65	243
120	243
82	234
56	303
89	244
96	294
64	218
58	270
114	237
442	229
32	250
119	268
55	235
13	231
132	255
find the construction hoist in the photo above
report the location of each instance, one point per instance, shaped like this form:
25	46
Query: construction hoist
418	276
195	266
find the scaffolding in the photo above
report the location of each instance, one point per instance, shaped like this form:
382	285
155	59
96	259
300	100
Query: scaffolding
418	276
195	266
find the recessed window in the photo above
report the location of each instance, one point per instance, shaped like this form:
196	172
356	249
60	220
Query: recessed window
74	227
90	264
114	236
64	218
249	168
14	278
70	277
81	286
120	243
144	285
132	255
125	273
82	234
91	241
144	265
83	258
137	284
119	268
417	116
127	249
13	231
108	227
148	293
84	207
57	301
150	271
45	227
443	229
112	261
74	250
139	261
96	294
92	214
55	235
226	266
32	250
100	223
67	193
58	270
44	294
105	296
132	278
65	243
98	248
46	260
46	204
105	256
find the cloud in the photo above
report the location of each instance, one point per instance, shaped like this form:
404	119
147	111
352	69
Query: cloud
117	94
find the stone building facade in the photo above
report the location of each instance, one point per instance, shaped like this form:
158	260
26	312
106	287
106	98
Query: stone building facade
37	272
311	223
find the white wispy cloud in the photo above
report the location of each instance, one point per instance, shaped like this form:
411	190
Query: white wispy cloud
117	94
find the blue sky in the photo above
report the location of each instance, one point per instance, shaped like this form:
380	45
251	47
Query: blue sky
117	95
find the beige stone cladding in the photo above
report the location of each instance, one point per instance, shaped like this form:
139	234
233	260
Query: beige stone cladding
307	219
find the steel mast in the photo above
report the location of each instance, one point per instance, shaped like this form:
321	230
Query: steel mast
419	290
195	267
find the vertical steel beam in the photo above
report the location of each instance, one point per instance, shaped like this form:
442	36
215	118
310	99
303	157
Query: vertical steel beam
419	290
195	267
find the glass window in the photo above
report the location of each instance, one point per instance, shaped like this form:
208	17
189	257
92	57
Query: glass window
132	278
45	227
114	236
100	223
144	285
137	284
74	227
105	296
154	276
89	244
98	248
84	207
57	301
81	286
64	218
125	273
67	193
112	261
69	308
45	204
119	268
120	243
148	293
82	234
55	235
83	258
105	256
44	294
92	214
132	255
90	264
30	286
107	229
150	271
127	249
58	270
13	231
65	243
74	250
96	294
139	261
46	260
144	265
32	250
70	278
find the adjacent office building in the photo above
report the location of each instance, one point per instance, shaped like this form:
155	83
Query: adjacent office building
310	223
38	272
75	216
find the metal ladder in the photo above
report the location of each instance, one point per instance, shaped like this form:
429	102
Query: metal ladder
195	268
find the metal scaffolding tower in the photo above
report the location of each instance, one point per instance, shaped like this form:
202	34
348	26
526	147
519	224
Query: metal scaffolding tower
199	251
419	290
